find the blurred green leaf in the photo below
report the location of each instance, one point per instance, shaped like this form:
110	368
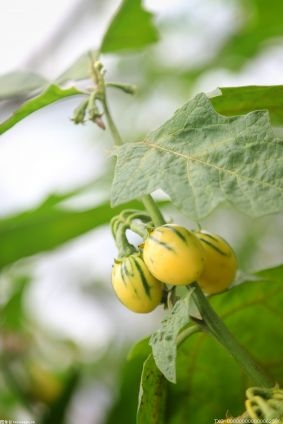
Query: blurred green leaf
131	28
239	100
12	312
209	382
80	69
47	227
153	394
260	22
20	84
124	409
56	414
202	159
52	94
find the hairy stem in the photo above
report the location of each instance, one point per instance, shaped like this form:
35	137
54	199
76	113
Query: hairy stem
213	324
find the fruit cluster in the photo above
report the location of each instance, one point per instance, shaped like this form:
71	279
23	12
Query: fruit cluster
171	254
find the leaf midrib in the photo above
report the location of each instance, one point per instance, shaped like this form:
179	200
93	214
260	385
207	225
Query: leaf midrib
218	168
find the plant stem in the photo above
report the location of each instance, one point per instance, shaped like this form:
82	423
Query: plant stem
213	324
113	129
153	210
147	200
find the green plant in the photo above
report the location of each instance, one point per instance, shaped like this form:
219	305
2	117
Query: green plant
217	149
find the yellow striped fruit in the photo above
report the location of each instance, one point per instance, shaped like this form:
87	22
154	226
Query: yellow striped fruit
173	254
220	263
134	285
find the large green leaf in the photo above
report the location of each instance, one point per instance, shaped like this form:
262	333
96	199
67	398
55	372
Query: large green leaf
131	28
19	83
201	159
52	94
209	381
47	227
238	100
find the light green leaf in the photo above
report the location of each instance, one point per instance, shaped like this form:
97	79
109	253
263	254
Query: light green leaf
52	94
80	69
164	340
20	84
131	28
209	382
202	159
153	394
239	100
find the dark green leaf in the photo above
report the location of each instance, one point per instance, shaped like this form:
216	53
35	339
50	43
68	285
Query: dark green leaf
12	313
47	227
131	28
201	159
153	394
164	340
52	94
124	409
238	100
20	84
57	411
209	382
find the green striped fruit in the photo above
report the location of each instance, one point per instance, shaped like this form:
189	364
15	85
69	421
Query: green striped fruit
220	263
134	285
173	254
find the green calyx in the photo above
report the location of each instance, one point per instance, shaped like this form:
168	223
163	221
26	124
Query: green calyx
129	219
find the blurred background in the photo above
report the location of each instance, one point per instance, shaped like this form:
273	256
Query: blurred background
64	336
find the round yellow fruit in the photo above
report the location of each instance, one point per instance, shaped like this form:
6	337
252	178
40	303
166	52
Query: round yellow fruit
173	254
220	263
135	286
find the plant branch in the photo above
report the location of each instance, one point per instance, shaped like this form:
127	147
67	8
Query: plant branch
147	200
213	324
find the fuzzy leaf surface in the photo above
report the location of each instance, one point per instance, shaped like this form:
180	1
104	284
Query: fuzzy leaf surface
202	159
164	340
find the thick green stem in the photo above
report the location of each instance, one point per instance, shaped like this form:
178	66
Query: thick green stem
153	210
213	324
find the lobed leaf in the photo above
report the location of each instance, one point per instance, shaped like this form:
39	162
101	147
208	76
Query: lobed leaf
202	159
